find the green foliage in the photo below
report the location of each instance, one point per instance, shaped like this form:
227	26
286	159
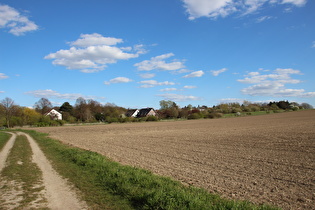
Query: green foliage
152	118
215	115
66	107
105	183
4	137
45	121
194	116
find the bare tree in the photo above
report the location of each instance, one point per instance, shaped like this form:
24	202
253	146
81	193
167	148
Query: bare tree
9	108
43	106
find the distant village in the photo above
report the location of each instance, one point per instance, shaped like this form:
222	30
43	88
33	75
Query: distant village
91	111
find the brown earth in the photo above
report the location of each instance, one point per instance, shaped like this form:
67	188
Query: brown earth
263	159
56	193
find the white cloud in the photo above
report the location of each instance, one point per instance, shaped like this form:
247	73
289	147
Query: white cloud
147	75
168	89
189	87
3	76
194	74
263	18
118	80
17	24
232	100
95	39
223	8
153	83
177	97
274	84
298	3
1	91
54	94
92	52
208	8
159	63
313	46
181	71
217	72
279	75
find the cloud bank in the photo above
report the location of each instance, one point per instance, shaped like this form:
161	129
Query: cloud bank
3	76
92	52
159	63
194	74
16	23
54	94
118	80
274	84
223	8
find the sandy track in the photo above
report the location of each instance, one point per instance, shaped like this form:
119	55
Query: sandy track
5	151
57	192
264	159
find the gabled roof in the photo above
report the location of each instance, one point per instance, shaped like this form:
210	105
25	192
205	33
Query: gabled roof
131	112
144	112
51	111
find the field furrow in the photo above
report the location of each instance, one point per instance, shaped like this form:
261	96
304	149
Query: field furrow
264	159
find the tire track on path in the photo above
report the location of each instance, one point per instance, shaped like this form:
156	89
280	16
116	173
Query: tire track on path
59	193
6	150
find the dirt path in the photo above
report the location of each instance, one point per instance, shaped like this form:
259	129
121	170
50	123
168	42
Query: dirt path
57	192
5	151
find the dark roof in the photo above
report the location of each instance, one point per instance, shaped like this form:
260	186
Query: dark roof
130	112
144	112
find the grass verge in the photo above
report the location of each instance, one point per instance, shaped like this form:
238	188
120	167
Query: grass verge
109	185
23	173
4	137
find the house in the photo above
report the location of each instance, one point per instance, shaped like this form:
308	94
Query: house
140	113
146	112
132	113
54	115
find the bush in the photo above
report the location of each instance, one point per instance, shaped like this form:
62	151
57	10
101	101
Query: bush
236	110
152	118
215	115
194	116
124	119
111	119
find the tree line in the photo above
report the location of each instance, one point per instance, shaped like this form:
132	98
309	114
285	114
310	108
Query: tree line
90	111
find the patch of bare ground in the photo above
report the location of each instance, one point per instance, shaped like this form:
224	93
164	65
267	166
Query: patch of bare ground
263	159
51	191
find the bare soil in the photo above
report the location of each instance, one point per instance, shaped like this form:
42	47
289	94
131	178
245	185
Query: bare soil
263	159
56	193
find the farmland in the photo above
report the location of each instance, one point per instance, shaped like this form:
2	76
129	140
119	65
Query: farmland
263	159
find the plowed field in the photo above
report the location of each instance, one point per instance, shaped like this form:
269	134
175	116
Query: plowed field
263	159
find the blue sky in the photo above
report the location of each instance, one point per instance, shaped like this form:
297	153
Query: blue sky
136	53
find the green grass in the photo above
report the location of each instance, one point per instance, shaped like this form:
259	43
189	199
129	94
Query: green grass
4	137
109	185
252	113
20	169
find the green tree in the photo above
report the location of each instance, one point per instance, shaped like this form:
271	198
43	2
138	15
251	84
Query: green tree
166	104
66	107
30	116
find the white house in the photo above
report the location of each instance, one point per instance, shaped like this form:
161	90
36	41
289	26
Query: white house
55	115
